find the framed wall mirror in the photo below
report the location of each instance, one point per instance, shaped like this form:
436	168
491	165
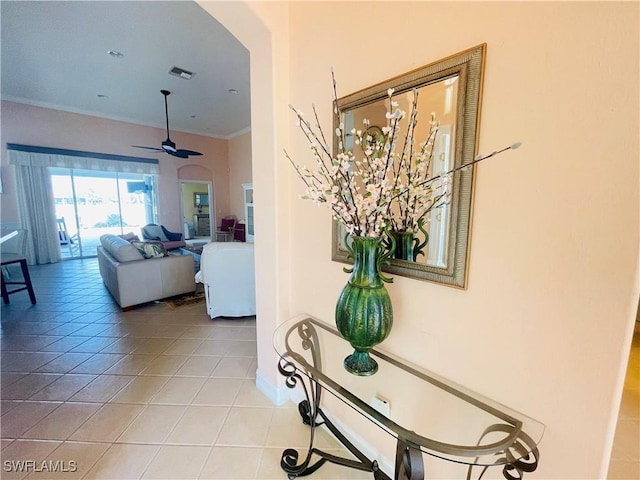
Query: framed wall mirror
200	199
452	89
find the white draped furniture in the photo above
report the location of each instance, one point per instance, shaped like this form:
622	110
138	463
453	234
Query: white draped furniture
228	274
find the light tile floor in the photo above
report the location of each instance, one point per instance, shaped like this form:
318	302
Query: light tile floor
625	457
156	392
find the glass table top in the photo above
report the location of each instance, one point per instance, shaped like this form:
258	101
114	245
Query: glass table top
437	416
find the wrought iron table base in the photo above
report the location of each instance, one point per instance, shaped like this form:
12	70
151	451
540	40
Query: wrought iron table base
290	456
518	457
409	464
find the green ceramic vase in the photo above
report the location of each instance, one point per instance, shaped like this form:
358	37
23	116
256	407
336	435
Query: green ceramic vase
405	244
364	314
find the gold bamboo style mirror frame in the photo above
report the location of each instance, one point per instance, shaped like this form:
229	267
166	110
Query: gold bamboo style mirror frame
452	89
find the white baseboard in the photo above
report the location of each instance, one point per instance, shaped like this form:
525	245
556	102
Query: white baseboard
277	395
385	464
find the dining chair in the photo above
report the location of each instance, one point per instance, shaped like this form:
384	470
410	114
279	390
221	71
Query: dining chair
12	253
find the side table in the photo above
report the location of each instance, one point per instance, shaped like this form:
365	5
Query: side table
438	418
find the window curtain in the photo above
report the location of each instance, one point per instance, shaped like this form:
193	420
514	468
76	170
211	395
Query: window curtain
35	191
37	214
59	157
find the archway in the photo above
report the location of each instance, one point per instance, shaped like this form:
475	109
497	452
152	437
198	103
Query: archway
271	223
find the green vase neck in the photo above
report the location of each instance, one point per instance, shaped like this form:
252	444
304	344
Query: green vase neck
366	254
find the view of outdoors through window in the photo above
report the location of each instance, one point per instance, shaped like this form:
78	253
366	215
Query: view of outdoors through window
91	203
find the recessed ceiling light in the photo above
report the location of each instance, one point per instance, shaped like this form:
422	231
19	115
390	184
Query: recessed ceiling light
233	90
115	53
194	116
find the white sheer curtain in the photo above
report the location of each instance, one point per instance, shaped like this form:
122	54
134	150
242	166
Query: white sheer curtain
37	214
35	192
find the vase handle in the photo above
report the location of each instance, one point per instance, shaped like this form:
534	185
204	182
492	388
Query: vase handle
351	255
383	258
417	246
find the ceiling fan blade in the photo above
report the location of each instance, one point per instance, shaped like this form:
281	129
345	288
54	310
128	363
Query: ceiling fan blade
168	146
148	148
191	153
178	153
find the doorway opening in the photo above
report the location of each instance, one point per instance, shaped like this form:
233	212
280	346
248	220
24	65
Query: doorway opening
197	209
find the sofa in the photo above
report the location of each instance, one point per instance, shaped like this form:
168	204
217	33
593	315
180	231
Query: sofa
133	279
228	273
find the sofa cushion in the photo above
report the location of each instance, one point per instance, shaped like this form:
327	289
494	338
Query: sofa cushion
119	248
150	249
155	232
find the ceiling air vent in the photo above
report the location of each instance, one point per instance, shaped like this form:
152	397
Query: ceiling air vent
181	72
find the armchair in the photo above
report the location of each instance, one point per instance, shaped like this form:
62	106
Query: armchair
226	228
170	240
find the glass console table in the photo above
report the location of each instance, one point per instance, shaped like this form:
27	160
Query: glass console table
438	418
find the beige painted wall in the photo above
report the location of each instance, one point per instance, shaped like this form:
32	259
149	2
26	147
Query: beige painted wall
45	127
239	171
545	324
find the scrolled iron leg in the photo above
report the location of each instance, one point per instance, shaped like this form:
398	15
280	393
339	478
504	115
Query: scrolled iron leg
312	415
516	469
304	409
289	464
409	463
520	458
290	456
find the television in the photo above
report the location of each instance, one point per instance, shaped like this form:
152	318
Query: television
200	199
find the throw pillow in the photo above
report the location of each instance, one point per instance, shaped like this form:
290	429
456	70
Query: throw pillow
130	237
150	249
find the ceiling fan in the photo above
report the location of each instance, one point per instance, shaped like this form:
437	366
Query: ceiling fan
168	146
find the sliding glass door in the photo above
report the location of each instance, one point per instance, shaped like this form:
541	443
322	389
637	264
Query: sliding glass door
90	203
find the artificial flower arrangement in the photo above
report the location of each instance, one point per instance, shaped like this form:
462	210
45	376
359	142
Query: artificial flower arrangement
388	187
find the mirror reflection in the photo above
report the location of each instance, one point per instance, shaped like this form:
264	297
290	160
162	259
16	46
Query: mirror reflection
428	245
450	90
